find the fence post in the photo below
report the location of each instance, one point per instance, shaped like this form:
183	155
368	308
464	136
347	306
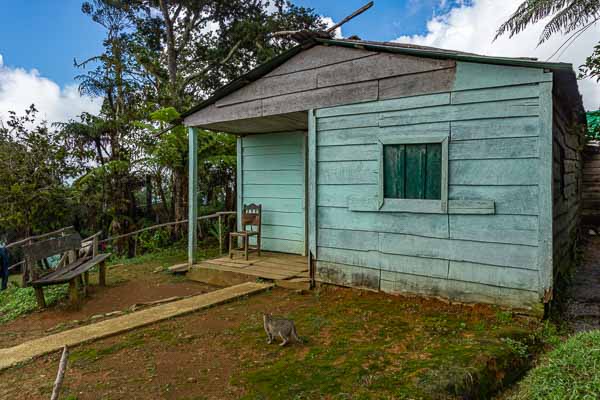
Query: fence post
220	237
193	195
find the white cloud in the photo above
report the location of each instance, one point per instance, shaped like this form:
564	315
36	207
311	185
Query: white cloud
472	28
20	88
329	22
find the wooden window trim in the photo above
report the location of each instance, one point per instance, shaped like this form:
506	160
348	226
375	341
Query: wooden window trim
415	205
378	203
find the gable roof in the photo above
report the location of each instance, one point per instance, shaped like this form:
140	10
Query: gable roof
565	75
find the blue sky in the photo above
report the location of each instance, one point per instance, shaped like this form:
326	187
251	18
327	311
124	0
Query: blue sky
40	38
47	36
44	35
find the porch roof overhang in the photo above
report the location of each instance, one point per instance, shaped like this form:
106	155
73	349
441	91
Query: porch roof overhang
293	121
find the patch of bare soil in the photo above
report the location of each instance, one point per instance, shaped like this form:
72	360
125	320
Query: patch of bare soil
221	353
187	358
582	309
127	285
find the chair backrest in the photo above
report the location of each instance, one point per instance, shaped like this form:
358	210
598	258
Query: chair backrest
252	216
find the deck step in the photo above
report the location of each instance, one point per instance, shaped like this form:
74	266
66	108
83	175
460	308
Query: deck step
294	283
179	268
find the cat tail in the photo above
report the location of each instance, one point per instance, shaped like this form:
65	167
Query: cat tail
295	334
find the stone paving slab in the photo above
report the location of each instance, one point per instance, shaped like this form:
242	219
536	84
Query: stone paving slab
26	351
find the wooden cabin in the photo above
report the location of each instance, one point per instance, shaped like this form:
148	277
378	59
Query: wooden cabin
408	169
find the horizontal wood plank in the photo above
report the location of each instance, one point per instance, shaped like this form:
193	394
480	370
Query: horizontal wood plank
494	172
406	103
382	65
495	128
490	275
496	94
521	200
462	112
509	148
437	81
510	229
431	225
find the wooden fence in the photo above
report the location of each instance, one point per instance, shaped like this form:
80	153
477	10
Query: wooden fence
135	234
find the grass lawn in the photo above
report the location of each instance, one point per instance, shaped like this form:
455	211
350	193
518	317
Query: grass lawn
570	371
357	345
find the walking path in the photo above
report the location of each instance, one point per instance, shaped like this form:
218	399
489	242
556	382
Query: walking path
582	310
35	348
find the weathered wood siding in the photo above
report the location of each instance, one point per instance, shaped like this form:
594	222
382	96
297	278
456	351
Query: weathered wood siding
492	115
273	175
568	179
324	76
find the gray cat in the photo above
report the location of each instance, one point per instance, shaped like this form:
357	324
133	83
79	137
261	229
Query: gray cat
284	328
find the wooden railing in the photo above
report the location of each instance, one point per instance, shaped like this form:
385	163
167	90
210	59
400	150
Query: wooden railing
32	239
218	215
95	239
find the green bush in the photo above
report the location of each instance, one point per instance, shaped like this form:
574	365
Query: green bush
571	371
16	301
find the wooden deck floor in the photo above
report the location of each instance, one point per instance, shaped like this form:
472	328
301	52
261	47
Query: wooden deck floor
273	266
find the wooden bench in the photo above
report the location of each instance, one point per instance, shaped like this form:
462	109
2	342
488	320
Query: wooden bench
70	269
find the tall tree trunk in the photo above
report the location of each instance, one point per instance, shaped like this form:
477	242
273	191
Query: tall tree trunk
149	208
180	201
163	196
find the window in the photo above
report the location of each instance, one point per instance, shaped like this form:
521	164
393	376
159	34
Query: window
412	171
413	174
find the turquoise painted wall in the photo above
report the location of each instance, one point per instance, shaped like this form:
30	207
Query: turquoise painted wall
500	148
273	174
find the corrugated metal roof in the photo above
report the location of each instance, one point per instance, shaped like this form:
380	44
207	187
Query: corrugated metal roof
564	69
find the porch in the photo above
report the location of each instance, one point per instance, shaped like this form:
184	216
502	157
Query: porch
285	270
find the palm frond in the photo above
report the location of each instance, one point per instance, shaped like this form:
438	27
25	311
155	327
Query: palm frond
567	16
576	15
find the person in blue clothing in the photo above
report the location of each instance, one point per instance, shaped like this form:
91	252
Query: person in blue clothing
4	267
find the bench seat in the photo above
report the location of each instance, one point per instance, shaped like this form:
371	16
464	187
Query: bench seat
71	271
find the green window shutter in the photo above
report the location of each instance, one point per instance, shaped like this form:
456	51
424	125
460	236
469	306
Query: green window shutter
412	171
394	163
433	181
416	164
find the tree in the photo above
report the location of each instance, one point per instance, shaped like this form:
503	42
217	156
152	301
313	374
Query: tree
35	168
108	143
567	16
187	48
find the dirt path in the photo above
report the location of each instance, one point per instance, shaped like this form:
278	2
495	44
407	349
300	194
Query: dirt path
582	310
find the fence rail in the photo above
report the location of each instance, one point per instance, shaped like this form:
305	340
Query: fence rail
38	237
218	215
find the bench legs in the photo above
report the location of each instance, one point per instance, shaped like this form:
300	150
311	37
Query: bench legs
74	296
102	274
39	296
83	284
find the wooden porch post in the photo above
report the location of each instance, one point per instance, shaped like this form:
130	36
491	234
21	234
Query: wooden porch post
193	195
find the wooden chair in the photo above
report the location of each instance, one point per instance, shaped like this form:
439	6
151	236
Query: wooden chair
70	269
251	218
